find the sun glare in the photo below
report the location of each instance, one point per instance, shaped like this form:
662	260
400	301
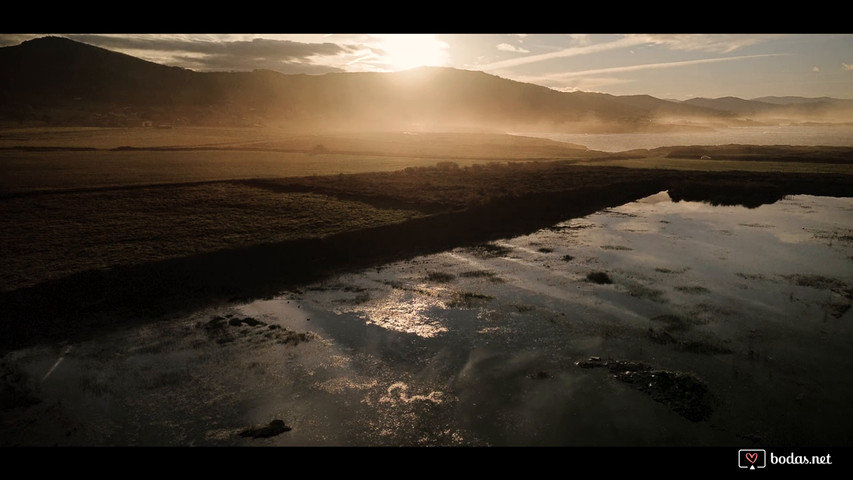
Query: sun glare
405	51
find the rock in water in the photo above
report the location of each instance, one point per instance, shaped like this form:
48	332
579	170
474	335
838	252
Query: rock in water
275	427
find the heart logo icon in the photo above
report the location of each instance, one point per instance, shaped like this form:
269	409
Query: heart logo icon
752	457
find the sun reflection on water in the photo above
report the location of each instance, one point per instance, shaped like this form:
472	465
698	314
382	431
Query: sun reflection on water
406	311
397	393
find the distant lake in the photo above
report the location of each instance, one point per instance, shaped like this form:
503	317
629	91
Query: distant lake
841	136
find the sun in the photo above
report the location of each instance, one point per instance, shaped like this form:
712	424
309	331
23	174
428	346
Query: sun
408	50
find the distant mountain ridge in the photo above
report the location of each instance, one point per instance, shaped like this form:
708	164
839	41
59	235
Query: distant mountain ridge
775	106
54	80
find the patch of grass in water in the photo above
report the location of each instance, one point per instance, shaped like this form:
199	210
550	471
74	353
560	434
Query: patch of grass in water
673	322
755	225
615	247
841	293
692	289
600	278
837	310
492	276
490	250
559	228
545	250
359	299
751	276
395	284
467	299
440	277
640	291
523	308
353	288
705	309
612	212
691	346
669	270
16	388
166	379
816	281
568	258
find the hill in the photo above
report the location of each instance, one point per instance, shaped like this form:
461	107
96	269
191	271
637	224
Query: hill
780	108
57	81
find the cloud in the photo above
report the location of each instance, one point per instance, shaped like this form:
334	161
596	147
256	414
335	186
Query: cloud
579	39
588	84
212	54
258	47
649	66
227	64
566	52
846	66
511	48
712	43
715	43
593	80
8	40
815	69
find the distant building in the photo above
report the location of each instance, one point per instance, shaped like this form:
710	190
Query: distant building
705	157
147	123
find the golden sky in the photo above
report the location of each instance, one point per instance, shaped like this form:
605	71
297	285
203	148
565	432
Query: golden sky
671	66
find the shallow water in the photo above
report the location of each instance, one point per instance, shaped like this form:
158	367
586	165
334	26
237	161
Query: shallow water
479	346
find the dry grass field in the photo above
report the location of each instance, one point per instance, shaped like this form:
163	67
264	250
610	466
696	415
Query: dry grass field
51	236
76	199
82	158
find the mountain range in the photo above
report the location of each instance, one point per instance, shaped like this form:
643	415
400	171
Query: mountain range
57	81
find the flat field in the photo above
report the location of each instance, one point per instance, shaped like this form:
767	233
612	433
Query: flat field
77	199
80	158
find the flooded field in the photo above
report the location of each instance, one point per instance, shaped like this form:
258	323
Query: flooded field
653	323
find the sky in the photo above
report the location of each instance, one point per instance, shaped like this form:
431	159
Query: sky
668	66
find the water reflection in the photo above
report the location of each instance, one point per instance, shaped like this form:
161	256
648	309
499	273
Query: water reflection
721	292
484	345
406	312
